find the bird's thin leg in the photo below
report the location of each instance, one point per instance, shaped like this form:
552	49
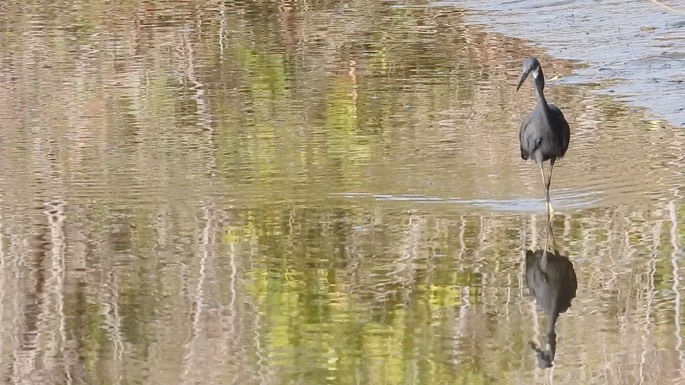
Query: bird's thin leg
547	184
545	187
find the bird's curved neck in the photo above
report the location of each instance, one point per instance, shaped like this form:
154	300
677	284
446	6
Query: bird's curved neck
540	86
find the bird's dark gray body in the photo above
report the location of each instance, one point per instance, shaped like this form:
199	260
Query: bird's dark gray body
545	133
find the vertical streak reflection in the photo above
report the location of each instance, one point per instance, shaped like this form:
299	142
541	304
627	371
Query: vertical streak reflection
673	214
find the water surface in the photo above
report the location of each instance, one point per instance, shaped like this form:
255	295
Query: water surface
314	193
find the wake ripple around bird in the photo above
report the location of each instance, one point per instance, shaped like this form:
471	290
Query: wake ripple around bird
565	200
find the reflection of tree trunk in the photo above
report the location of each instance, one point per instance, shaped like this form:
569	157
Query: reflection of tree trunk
201	100
44	323
461	326
25	355
403	268
649	298
80	244
675	257
3	271
110	312
194	347
231	338
55	284
261	352
262	361
200	96
222	28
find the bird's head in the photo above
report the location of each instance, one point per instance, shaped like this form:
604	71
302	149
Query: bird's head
530	66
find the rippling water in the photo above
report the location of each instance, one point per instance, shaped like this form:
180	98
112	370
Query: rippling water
635	49
309	193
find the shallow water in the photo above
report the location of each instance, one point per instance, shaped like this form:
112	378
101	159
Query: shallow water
634	49
308	193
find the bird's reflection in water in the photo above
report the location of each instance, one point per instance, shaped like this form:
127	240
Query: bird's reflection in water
551	279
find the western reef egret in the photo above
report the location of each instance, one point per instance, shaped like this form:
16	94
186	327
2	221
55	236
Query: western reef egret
545	133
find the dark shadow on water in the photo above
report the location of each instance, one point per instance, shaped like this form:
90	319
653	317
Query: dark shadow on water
551	279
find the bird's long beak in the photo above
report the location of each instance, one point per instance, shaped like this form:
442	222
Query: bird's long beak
523	78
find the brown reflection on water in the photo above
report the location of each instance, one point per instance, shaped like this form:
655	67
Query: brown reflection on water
316	192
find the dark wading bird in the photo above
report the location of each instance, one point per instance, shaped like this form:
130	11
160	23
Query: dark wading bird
551	279
545	133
